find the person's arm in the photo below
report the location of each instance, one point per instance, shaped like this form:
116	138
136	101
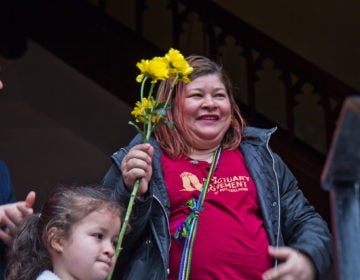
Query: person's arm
306	235
129	164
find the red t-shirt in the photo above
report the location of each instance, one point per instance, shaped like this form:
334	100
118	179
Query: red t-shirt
230	242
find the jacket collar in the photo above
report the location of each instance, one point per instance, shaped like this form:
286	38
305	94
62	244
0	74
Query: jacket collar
257	136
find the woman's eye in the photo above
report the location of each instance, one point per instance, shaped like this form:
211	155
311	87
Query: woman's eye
195	94
220	95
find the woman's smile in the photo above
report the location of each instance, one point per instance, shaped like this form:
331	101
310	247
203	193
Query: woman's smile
207	117
207	111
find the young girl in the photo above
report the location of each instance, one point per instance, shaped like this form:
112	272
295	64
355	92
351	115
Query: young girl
74	237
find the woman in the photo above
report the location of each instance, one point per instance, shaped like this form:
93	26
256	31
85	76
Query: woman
253	213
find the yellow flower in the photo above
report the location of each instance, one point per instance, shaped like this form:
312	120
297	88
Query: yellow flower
143	110
178	65
150	111
143	66
156	68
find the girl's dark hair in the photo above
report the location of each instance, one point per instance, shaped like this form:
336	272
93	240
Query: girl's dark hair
29	254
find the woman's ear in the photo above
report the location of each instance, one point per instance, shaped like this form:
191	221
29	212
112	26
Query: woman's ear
54	241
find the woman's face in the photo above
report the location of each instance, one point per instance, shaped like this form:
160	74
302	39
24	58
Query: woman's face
206	111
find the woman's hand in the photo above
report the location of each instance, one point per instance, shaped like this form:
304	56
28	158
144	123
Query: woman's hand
137	165
296	265
11	216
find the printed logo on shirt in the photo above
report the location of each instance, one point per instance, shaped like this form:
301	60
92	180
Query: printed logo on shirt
217	185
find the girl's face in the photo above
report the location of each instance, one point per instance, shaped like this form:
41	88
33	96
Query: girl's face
207	111
89	253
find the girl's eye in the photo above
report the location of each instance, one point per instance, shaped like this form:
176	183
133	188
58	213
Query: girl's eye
115	243
98	235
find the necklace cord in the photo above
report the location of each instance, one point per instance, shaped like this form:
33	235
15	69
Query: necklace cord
186	231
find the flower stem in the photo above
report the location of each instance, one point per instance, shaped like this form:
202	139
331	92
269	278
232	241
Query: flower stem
125	223
171	90
142	88
160	90
152	86
149	129
142	92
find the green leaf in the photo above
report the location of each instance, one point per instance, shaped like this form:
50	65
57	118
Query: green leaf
170	124
138	129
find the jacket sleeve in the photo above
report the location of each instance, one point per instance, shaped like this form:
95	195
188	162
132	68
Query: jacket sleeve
302	227
6	190
142	208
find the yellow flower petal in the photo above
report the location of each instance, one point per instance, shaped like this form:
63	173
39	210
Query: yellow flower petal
178	65
158	69
143	110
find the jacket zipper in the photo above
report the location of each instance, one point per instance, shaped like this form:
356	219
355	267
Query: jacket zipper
278	195
168	226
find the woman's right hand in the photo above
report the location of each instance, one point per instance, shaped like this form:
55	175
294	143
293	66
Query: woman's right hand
137	164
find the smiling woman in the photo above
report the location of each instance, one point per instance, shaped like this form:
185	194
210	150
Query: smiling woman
214	201
207	113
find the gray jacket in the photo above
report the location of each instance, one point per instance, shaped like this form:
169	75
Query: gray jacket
289	219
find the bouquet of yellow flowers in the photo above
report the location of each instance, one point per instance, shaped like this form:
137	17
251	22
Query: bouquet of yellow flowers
150	111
